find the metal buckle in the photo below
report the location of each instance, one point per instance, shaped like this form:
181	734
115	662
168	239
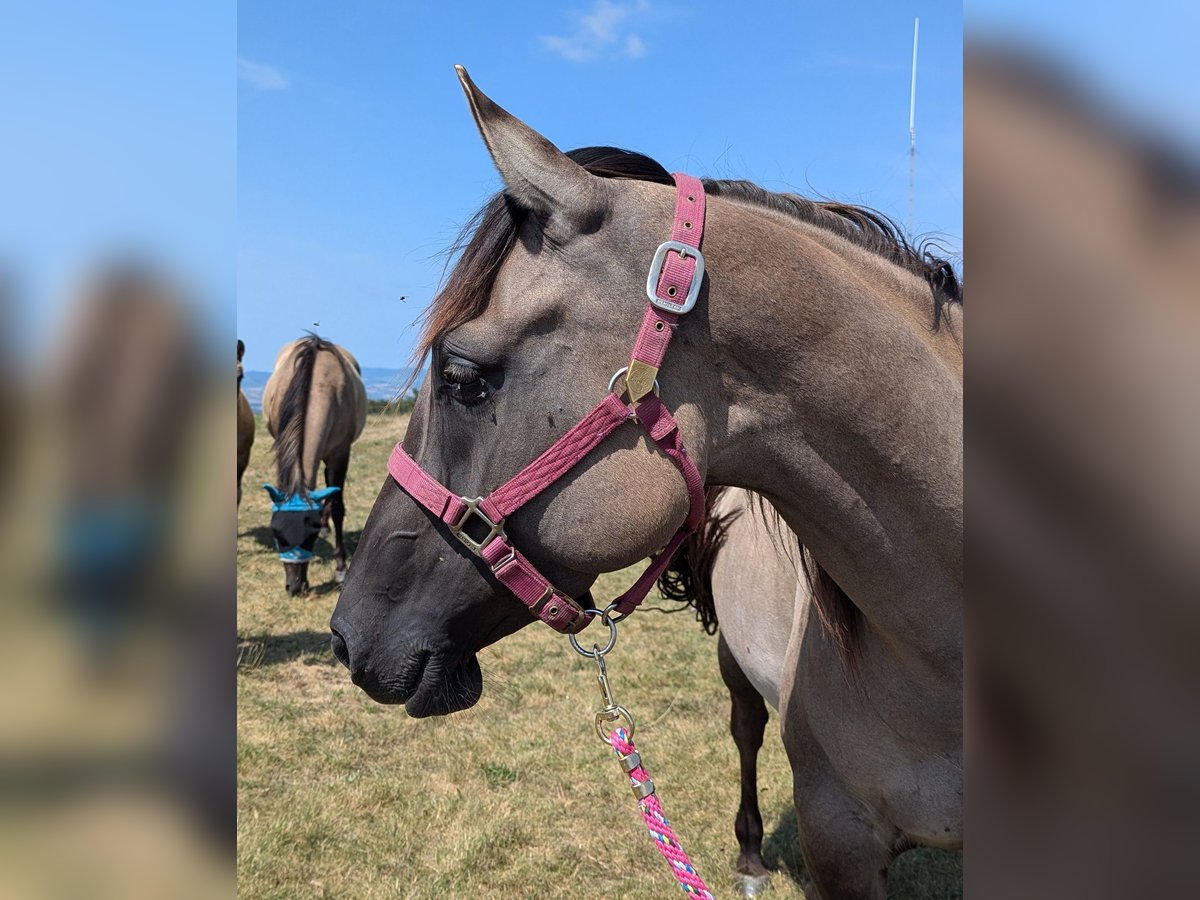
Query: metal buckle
501	563
656	267
494	528
612	382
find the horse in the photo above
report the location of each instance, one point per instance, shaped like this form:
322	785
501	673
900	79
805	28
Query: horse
315	407
124	396
245	424
817	361
745	571
739	573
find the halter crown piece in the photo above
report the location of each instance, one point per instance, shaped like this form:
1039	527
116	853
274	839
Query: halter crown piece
672	286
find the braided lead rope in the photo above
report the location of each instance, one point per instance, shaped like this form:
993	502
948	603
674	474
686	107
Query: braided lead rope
656	823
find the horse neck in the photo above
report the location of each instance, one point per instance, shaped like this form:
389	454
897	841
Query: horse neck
846	412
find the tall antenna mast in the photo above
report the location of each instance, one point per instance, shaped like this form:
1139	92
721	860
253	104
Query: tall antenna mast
912	129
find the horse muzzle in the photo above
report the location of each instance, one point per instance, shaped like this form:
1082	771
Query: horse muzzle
427	683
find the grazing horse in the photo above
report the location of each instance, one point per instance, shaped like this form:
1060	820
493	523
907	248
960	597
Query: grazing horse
245	424
315	407
809	363
124	396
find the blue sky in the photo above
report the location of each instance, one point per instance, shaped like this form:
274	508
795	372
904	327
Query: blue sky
358	160
119	137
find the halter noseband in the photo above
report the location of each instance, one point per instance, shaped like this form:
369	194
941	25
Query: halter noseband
672	287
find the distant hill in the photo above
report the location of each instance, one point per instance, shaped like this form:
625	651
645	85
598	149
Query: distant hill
381	384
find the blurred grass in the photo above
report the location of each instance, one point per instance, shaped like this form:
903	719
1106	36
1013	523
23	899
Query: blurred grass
341	797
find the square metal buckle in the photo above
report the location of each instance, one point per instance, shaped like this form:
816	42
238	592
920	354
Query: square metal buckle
656	267
458	529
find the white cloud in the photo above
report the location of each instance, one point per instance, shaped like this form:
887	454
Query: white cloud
260	76
604	30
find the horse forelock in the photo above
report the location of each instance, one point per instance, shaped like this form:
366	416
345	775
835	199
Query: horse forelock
486	239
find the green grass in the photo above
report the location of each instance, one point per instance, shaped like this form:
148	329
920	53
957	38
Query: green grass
340	797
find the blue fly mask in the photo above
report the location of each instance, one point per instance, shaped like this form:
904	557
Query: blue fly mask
296	522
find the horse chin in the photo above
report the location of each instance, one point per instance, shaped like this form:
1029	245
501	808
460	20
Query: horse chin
295	578
440	692
424	684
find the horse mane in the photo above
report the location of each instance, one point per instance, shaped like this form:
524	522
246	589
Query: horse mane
688	579
486	239
289	440
864	227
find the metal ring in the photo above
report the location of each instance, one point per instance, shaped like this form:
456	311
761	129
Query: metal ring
619	617
621	712
612	636
612	382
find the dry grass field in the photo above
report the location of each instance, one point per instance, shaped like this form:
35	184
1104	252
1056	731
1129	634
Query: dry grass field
340	797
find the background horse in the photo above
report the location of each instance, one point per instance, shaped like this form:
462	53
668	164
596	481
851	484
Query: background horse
125	391
734	557
245	424
745	570
815	369
315	406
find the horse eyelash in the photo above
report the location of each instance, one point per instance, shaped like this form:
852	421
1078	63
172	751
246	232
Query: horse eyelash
458	373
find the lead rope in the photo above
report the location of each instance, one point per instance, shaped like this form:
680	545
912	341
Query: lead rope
656	823
621	741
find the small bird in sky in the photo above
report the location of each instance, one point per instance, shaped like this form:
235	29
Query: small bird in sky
316	324
403	298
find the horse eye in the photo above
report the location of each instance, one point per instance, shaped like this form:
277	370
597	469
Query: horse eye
459	371
464	381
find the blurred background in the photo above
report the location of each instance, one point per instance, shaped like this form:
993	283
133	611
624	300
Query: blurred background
119	240
117	304
1083	437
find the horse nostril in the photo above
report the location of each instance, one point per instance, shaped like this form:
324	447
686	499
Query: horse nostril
340	650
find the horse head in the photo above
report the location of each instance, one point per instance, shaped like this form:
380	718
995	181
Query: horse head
524	340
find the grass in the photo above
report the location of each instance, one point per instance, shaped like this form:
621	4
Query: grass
340	797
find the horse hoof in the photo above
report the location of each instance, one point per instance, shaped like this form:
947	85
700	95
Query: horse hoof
339	575
751	885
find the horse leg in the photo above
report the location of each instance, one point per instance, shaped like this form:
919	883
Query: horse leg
847	847
335	476
747	723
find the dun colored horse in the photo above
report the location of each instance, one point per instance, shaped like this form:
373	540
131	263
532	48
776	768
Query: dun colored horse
817	368
736	569
745	571
245	424
124	400
315	406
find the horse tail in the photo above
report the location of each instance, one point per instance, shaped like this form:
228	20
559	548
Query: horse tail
841	620
689	577
289	441
839	617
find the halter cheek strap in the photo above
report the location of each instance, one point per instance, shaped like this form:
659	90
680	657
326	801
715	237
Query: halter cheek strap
672	287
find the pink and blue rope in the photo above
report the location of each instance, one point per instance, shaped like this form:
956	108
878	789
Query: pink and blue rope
660	829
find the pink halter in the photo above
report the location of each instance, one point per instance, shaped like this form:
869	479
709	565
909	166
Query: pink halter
672	286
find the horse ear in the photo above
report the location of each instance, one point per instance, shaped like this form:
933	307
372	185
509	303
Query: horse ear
241	349
324	492
538	175
275	493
